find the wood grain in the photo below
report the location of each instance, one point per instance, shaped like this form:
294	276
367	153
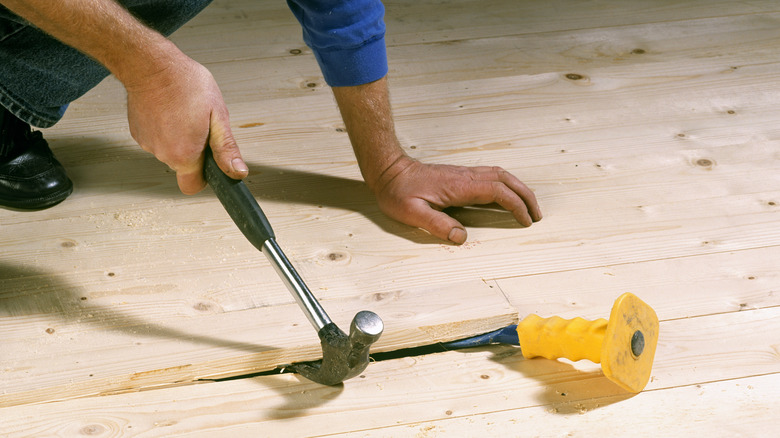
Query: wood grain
736	407
701	359
676	288
66	348
647	129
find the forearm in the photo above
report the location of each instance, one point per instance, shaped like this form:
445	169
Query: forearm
415	193
367	115
174	106
105	31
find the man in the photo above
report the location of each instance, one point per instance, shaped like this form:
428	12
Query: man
175	108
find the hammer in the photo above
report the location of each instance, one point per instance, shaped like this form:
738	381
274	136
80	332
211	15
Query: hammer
343	356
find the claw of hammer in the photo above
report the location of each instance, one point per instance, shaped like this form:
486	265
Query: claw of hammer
343	357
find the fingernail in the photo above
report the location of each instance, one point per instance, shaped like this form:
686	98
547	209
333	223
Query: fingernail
239	165
457	236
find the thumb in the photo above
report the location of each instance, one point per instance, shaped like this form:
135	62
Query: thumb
436	222
224	147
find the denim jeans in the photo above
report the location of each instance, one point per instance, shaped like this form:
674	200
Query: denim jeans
40	76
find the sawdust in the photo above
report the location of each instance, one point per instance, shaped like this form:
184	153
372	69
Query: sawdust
427	431
137	218
452	249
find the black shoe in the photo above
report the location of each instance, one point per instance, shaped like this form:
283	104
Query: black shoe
30	177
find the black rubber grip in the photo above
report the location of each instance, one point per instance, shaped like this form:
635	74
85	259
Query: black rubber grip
239	203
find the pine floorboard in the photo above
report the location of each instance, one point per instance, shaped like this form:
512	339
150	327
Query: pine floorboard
701	363
649	131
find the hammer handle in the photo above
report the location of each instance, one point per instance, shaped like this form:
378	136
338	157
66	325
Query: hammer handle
250	219
239	203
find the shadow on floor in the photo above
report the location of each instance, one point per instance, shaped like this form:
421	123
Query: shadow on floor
27	291
130	169
565	390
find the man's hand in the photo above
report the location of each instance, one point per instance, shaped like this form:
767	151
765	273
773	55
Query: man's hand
174	106
175	114
415	194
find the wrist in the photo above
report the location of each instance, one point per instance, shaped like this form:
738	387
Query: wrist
147	66
378	182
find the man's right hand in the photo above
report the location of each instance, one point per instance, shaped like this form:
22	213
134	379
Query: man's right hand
175	113
174	106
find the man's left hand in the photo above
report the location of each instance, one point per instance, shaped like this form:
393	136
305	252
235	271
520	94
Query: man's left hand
416	193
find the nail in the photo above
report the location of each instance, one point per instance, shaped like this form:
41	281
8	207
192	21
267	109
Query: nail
239	165
457	236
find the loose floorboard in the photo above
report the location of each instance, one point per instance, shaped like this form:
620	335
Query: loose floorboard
95	350
703	359
648	130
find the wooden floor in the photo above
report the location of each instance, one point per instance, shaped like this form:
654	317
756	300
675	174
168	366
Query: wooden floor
649	130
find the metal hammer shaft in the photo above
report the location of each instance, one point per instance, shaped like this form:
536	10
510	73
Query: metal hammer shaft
250	219
309	304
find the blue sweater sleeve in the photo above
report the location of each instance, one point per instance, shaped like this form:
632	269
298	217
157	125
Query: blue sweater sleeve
347	37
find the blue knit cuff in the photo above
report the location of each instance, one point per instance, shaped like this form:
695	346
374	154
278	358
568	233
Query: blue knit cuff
354	66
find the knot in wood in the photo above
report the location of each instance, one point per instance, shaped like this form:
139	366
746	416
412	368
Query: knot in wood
92	429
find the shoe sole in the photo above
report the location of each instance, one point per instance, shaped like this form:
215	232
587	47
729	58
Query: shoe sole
39	203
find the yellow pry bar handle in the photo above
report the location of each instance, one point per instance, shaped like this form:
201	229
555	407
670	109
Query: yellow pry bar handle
624	345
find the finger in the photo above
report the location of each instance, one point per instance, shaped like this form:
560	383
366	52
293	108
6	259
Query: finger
487	192
191	182
526	194
224	146
512	202
420	214
515	185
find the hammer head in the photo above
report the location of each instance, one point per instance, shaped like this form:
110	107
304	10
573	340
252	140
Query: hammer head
343	357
